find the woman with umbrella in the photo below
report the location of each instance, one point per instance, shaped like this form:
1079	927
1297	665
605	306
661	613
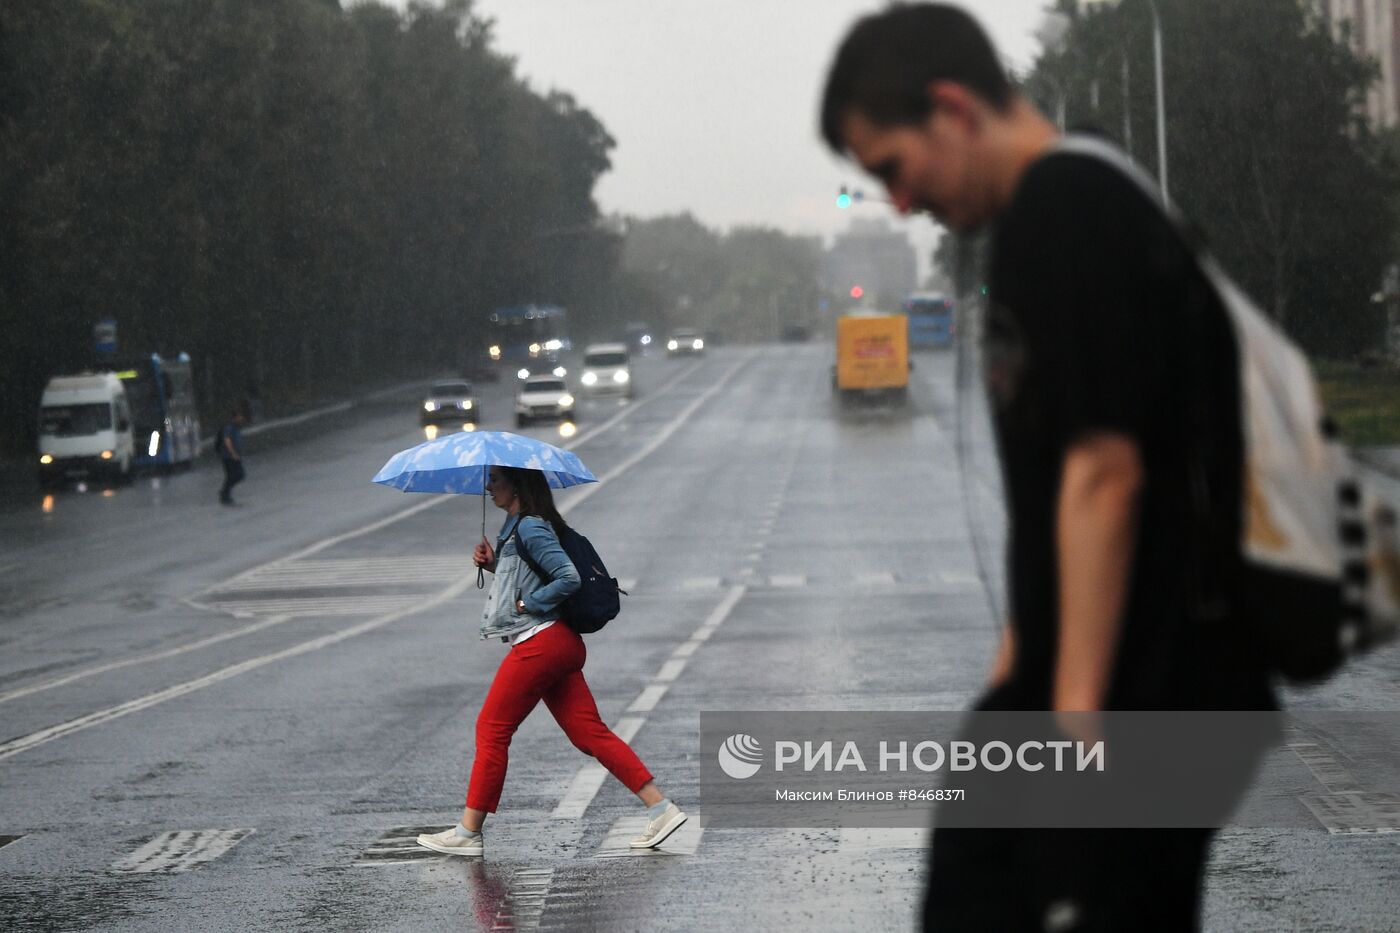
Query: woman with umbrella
544	662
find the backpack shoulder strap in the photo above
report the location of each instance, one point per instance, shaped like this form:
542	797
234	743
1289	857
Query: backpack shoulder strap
524	552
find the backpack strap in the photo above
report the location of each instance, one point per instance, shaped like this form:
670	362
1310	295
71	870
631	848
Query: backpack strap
523	552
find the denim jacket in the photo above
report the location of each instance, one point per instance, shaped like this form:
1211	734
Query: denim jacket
515	580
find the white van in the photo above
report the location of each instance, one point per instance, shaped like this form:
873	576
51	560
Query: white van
84	428
606	368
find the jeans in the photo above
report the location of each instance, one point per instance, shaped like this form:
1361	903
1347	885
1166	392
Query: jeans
233	475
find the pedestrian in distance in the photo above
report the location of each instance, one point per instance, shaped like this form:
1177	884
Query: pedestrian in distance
545	662
229	444
1103	336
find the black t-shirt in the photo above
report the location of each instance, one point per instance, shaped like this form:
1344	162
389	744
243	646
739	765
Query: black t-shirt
1100	319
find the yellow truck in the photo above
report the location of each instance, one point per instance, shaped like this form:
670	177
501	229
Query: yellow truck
872	356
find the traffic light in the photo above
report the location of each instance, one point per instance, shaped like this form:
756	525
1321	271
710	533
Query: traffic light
843	199
857	291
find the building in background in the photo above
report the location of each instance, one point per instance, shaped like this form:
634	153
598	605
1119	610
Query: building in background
872	264
1372	28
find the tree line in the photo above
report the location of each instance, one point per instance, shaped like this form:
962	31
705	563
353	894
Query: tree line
298	195
1268	150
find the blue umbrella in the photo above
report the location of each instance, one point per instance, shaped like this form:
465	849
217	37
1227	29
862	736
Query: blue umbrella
461	463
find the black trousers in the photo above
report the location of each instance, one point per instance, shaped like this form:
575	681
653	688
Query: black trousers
1066	880
233	475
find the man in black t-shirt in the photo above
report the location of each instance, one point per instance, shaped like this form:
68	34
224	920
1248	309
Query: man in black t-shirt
1111	368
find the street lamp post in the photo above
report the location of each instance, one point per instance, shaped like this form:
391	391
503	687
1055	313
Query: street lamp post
1161	89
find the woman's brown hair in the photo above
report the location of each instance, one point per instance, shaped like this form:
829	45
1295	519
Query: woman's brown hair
532	489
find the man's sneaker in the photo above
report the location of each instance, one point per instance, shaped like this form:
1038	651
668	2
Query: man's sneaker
449	843
658	829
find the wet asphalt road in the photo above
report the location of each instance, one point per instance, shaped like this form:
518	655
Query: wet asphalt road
234	718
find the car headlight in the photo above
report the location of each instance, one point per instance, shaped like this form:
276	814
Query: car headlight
646	339
495	353
523	373
466	404
560	371
554	345
566	401
699	345
590	378
108	454
46	459
430	406
672	345
620	377
534	349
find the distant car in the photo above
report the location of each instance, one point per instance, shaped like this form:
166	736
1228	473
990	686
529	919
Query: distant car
451	401
607	369
685	342
543	398
639	336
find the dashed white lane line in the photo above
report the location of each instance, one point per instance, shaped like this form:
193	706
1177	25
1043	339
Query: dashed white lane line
701	583
589	778
646	700
33	739
140	659
671	669
787	579
180	850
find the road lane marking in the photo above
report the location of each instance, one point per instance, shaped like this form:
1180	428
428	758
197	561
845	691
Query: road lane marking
180	850
646	700
525	902
787	579
316	605
398	846
701	583
671	669
35	739
878	578
1359	814
142	659
588	780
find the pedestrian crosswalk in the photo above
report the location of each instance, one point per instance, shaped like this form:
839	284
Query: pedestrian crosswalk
375	586
180	850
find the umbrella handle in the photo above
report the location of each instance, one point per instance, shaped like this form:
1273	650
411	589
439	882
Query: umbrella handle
480	578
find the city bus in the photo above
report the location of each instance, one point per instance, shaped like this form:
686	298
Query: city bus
165	420
529	340
930	320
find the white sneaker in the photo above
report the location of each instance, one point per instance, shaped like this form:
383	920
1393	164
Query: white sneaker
658	829
449	843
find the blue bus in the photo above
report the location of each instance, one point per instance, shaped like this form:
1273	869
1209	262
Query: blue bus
529	340
931	323
164	418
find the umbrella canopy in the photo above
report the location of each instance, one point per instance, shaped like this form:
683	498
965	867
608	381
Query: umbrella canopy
459	463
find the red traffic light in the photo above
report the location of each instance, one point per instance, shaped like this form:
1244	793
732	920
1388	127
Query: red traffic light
857	291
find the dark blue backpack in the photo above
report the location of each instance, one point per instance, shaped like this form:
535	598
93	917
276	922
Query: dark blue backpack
595	603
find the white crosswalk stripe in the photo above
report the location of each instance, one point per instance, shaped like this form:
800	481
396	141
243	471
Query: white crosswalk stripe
315	606
180	850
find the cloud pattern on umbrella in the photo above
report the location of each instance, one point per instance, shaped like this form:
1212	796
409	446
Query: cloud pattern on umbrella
458	463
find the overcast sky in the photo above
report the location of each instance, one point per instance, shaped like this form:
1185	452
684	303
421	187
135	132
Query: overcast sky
713	102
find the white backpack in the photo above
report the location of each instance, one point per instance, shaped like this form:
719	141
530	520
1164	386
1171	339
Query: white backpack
1321	559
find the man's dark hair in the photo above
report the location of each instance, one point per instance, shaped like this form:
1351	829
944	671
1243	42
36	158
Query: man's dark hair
883	68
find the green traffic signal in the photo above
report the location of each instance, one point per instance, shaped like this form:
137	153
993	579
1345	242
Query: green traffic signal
843	200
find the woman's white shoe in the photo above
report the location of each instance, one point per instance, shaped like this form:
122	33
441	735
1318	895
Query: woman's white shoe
658	829
450	843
